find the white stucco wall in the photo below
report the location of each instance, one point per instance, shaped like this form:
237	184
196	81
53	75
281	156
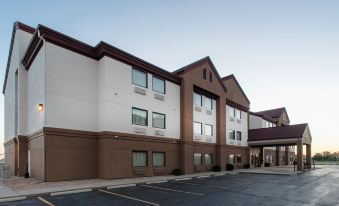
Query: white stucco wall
71	90
204	118
258	122
117	97
241	126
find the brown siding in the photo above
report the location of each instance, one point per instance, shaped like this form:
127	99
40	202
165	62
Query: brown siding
36	145
10	155
234	93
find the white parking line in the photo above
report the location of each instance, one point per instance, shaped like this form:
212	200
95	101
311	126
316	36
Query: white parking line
219	175
172	190
211	186
45	201
10	199
127	197
199	177
69	192
182	179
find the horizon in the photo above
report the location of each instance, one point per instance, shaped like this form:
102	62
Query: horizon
279	60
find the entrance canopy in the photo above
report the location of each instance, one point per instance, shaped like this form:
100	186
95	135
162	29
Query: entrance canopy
280	136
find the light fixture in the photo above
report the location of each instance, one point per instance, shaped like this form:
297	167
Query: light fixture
41	107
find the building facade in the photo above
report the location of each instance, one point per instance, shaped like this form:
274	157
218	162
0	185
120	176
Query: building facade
74	111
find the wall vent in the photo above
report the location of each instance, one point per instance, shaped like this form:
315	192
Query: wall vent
197	108
159	96
209	112
239	121
209	139
232	142
232	119
139	130
139	91
197	138
159	132
238	143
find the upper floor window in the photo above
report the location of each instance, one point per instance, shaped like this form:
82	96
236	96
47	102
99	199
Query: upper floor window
158	120
237	113
197	99
208	103
231	134
210	76
208	130
139	78
239	137
197	126
204	73
139	117
232	111
159	85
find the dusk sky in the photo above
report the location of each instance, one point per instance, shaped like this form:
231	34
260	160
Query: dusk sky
283	53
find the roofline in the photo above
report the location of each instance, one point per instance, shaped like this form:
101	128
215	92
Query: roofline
236	105
192	65
291	125
231	76
265	117
17	25
100	50
284	108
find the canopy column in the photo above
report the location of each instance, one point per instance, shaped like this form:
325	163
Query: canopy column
277	156
300	160
308	156
287	152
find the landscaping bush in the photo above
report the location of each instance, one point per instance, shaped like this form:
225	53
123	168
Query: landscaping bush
246	166
267	164
216	168
176	172
229	167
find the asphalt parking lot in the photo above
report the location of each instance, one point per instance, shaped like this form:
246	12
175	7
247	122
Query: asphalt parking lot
317	187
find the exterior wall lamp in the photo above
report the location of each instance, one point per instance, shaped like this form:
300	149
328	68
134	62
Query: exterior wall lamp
40	107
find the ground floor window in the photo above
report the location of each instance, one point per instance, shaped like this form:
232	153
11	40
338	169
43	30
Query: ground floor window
158	159
231	159
139	159
239	158
208	159
197	159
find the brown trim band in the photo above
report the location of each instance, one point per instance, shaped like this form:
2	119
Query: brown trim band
236	105
100	50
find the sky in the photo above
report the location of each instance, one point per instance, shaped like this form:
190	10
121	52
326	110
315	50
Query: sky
283	53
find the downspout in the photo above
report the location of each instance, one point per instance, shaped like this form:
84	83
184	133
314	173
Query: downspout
44	122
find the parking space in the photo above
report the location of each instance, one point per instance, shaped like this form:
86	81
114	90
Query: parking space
237	189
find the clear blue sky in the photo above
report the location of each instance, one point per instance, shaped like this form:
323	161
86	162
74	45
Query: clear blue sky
283	53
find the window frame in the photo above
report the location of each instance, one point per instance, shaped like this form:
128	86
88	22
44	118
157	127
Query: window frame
233	111
146	116
140	70
238	132
211	158
164	153
233	131
140	151
194	93
237	158
154	76
164	120
200	127
194	159
211	130
205	97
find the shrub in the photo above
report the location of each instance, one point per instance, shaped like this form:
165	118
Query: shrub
267	164
176	172
229	167
246	166
216	168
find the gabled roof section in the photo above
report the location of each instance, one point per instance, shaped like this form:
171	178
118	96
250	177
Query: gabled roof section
275	133
232	77
17	25
97	52
274	113
265	117
193	65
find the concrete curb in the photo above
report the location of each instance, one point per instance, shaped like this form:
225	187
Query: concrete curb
69	192
156	182
10	199
267	173
183	179
120	186
205	176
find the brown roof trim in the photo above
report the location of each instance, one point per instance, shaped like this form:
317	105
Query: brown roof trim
236	81
274	113
236	105
97	52
265	117
17	25
191	66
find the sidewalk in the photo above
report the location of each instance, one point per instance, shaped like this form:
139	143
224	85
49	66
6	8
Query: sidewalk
274	170
19	186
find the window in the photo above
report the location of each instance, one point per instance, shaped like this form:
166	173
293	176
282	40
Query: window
204	73
238	136
232	111
210	76
208	103
208	130
197	159
231	134
139	117
231	159
208	159
197	99
237	113
239	158
158	159
158	85
139	78
267	158
158	120
139	159
197	128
